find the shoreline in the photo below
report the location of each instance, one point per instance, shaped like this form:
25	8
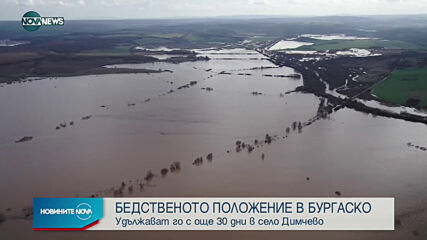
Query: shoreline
27	65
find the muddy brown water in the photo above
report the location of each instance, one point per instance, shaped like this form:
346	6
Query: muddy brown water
351	152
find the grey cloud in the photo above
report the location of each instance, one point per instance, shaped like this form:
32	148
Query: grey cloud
89	9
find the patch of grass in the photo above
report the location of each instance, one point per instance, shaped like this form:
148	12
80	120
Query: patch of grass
153	41
120	50
404	84
323	45
210	38
424	103
121	35
166	35
262	38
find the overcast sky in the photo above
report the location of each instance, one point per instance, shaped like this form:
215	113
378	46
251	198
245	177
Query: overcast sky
116	9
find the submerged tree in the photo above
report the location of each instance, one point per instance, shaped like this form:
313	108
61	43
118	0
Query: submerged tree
198	161
175	167
294	125
149	176
268	139
164	171
28	211
2	217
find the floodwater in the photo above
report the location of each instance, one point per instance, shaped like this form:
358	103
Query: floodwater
332	37
166	56
357	52
127	135
288	44
157	49
11	43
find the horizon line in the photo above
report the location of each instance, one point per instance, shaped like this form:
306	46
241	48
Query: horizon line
243	16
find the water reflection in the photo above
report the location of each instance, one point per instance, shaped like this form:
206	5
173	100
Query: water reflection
131	135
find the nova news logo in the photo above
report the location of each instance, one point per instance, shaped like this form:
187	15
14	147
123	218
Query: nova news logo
84	211
31	21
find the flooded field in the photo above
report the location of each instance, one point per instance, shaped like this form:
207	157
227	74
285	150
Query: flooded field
288	44
332	37
10	43
127	124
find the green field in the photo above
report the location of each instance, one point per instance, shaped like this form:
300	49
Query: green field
323	45
262	38
404	84
166	35
121	35
120	50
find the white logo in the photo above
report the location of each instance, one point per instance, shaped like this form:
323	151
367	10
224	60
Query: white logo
84	211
